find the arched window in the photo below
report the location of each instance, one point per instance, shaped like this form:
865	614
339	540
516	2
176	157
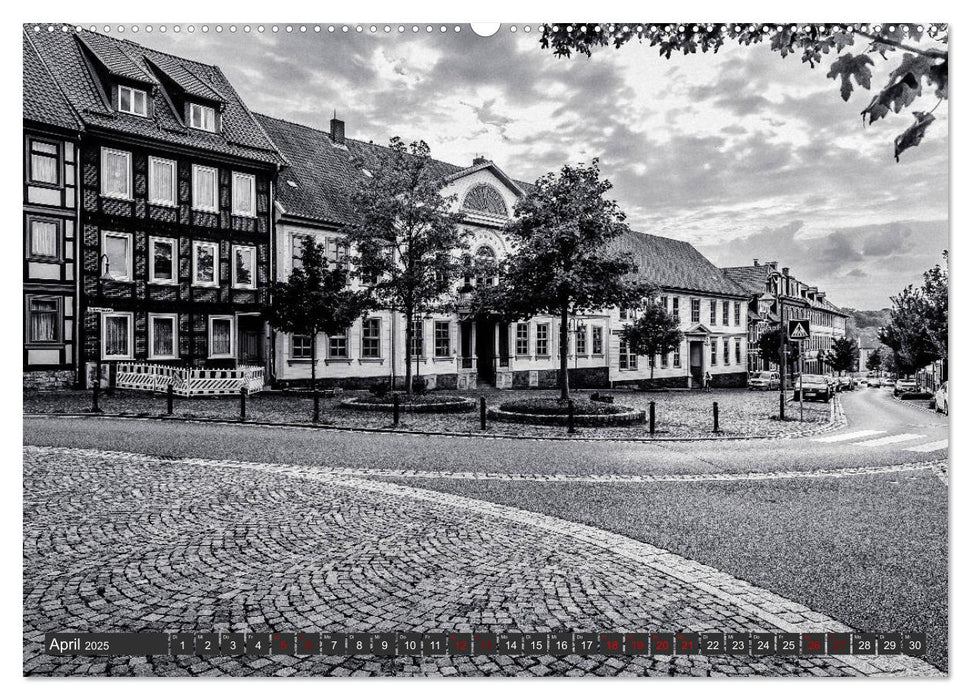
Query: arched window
485	266
484	198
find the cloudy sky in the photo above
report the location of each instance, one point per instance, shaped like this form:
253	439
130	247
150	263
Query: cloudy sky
744	154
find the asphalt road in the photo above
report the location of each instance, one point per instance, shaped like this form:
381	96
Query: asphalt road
869	549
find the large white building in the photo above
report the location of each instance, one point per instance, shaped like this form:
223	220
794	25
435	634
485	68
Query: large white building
459	350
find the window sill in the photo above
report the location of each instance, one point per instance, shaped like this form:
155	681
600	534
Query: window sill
205	211
371	360
206	285
114	357
338	361
120	197
163	357
444	358
164	283
170	205
117	281
244	216
222	357
46	185
49	261
247	288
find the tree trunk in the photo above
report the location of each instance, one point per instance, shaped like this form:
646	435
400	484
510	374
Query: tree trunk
564	347
313	375
409	332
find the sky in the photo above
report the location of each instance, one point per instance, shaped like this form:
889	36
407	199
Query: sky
742	153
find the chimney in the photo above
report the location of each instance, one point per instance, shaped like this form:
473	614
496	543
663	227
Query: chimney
773	264
755	263
785	271
479	160
337	129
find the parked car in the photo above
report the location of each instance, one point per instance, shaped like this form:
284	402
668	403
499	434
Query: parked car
764	380
886	381
873	381
940	399
845	383
815	387
904	386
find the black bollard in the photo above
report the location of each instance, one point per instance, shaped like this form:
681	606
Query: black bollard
396	400
569	417
714	408
96	396
242	403
482	413
169	399
651	415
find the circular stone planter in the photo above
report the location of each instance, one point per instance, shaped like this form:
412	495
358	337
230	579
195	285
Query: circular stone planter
617	416
449	405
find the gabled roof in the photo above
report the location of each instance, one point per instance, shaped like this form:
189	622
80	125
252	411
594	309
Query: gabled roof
751	278
514	185
74	58
675	265
44	103
320	178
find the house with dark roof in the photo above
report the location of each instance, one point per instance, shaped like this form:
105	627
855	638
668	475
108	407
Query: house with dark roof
458	349
51	136
174	197
776	295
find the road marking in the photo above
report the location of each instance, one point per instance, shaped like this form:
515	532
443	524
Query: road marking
929	447
889	440
849	436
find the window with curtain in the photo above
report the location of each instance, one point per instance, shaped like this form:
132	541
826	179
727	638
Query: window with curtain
117	340
221	337
204	188
162	260
43	320
117	246
163	332
45	236
161	181
244	266
44	162
204	272
244	194
115	173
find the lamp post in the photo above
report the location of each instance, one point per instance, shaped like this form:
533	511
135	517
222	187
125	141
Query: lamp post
578	327
776	277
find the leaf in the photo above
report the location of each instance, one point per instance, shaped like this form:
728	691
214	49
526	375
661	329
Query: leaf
849	66
913	135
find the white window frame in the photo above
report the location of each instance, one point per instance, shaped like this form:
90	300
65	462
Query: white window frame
152	198
131	334
58	226
105	152
545	339
293	346
232	336
198	206
175	336
448	337
593	333
252	254
196	245
105	235
202	109
345	336
518	338
131	100
252	189
380	354
152	241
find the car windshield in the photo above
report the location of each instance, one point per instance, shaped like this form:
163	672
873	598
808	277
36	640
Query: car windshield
813	379
763	375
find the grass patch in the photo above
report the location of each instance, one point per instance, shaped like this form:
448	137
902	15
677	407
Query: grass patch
554	407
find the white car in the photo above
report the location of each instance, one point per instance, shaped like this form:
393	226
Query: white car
764	380
940	399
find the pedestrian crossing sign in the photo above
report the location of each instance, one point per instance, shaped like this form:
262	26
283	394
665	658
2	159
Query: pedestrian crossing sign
798	328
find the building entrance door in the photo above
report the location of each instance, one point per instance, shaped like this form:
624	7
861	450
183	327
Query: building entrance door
697	362
485	350
250	340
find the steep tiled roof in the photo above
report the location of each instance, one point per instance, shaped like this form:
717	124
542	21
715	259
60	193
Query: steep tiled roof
322	173
64	54
751	278
673	264
44	103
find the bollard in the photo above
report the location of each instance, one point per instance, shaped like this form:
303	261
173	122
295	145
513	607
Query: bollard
397	409
242	403
569	417
96	396
482	413
651	415
316	405
714	408
169	399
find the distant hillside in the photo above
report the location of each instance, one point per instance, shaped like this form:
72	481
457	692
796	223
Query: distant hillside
864	324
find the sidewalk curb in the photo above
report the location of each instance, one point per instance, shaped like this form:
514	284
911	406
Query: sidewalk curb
834	423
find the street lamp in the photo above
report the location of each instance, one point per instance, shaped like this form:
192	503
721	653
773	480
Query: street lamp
578	327
776	277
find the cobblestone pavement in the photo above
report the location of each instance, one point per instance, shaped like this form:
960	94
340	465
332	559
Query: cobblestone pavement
680	414
117	542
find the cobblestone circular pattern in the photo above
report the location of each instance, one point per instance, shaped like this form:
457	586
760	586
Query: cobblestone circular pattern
134	543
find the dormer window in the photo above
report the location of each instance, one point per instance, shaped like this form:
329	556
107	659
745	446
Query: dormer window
201	117
132	101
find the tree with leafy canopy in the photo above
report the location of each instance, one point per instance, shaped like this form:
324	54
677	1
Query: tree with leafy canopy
843	356
405	236
934	291
654	331
923	55
316	298
917	332
768	347
562	261
874	361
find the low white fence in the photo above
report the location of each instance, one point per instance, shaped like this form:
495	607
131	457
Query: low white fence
187	381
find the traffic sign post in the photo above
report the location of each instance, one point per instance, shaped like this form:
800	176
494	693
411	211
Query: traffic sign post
798	329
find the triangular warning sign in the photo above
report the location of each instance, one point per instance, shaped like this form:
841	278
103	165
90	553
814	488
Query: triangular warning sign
799	329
